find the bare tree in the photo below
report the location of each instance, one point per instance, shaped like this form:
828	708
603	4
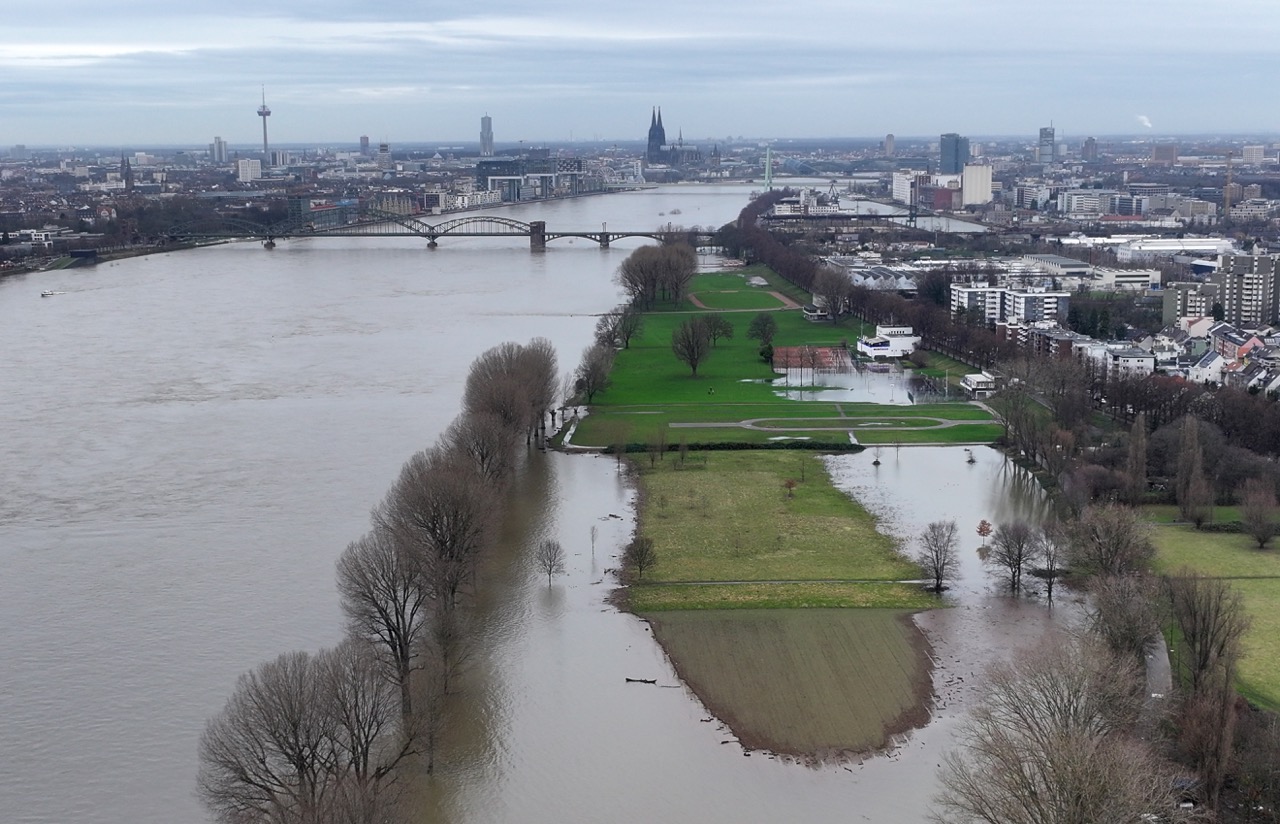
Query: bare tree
1052	543
1051	743
1136	467
691	343
1109	539
304	739
368	743
595	533
630	324
549	556
538	368
1210	616
494	386
486	441
938	556
718	326
639	555
1013	546
653	272
831	288
442	509
1193	493
385	601
763	327
1125	613
592	374
1258	510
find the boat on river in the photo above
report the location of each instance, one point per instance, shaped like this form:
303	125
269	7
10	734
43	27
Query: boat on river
48	293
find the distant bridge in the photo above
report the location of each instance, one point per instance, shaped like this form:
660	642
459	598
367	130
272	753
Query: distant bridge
365	222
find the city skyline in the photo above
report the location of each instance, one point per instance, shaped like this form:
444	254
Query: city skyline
572	70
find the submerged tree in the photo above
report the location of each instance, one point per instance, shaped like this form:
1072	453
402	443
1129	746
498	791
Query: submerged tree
384	598
305	739
549	557
938	556
1014	547
1052	743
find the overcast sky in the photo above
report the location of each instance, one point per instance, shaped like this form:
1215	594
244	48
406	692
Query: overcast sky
138	72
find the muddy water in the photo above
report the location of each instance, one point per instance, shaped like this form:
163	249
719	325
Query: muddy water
191	439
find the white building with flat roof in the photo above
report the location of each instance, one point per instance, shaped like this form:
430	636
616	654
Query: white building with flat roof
889	342
975	184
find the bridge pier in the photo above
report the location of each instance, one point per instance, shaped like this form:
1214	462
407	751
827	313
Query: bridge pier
604	240
537	236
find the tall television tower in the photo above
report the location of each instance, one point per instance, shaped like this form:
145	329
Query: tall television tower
264	113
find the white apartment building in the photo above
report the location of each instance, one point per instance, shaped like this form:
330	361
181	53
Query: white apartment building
248	169
1034	305
997	303
1253	155
978	301
1250	288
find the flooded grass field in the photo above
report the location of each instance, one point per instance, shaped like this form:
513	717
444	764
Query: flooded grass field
811	683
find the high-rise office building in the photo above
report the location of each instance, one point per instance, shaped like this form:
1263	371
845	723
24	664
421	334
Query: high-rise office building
1047	147
955	153
888	145
1089	151
384	156
218	150
364	145
486	136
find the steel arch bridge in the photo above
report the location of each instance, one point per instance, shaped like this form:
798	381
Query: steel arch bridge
363	222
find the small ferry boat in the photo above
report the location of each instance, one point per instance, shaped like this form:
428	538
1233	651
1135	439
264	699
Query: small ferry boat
48	293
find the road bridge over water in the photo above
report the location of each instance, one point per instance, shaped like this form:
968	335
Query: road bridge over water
364	222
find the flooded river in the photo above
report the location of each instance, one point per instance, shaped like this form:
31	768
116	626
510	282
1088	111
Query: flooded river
192	438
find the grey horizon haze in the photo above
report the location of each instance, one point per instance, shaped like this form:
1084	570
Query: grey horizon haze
153	72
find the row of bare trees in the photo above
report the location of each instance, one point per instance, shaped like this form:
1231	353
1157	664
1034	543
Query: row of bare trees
653	273
324	738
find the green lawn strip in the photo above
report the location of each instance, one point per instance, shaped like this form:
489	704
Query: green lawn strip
733	520
1219	554
662	597
1168	513
981	433
1256	574
1260	664
938	365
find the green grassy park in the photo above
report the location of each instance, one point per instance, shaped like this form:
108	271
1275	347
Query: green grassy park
654	398
1255	573
776	597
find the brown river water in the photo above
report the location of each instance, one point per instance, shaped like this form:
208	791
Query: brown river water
190	440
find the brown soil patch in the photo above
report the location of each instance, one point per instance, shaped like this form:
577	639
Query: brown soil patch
815	684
